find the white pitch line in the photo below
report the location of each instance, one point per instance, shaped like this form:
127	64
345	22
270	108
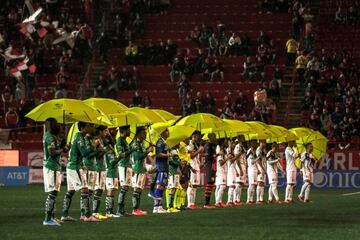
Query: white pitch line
350	194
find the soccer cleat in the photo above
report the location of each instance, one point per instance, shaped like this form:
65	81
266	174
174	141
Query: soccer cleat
238	203
193	207
270	201
229	204
122	214
91	219
112	215
58	220
51	222
173	210
82	218
278	202
159	210
301	198
99	216
218	205
250	203
224	205
68	219
209	207
138	212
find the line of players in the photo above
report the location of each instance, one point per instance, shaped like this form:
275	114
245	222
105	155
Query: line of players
97	162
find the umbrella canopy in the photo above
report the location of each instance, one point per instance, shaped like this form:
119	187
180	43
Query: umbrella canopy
201	121
179	134
106	105
318	141
128	118
150	114
156	129
284	135
66	111
165	114
240	126
258	131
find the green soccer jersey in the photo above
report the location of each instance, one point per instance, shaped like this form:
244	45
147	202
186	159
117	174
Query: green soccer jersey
122	147
174	163
77	152
51	162
138	156
89	160
100	160
111	163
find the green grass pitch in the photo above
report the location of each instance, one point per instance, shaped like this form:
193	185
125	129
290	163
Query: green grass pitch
330	215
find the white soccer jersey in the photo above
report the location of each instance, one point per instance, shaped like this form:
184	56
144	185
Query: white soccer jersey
290	156
252	167
231	170
195	161
221	170
260	153
307	162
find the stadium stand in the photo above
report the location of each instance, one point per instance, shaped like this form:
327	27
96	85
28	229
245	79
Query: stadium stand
160	33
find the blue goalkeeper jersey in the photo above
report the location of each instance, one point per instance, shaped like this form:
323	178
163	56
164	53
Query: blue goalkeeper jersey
161	163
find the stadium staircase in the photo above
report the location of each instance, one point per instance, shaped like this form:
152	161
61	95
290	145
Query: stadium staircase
182	17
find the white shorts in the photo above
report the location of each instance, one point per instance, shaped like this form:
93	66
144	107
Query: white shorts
112	183
231	179
100	178
221	179
291	177
125	175
308	176
253	176
195	178
261	177
272	177
73	180
174	181
52	180
138	180
241	178
87	179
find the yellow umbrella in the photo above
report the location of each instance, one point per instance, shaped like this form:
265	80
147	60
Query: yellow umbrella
318	141
128	118
201	121
165	114
240	126
66	111
106	105
73	129
257	131
178	134
156	129
284	135
154	118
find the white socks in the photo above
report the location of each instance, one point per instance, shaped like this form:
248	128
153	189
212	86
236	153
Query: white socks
274	190
270	193
190	196
289	192
250	193
307	192
231	195
220	192
303	188
237	193
260	193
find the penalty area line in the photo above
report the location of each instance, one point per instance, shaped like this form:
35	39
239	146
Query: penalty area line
350	194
